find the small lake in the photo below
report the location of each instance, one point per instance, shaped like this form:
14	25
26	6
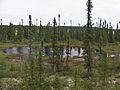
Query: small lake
73	51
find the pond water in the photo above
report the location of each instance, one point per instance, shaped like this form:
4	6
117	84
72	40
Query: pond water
73	51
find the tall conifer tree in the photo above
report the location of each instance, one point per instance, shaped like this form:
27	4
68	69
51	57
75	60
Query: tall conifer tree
88	39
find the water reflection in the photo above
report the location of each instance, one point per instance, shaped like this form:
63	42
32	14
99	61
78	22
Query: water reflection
73	51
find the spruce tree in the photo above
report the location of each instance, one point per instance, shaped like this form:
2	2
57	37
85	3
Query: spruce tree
105	71
40	77
29	65
1	30
88	52
56	50
1	22
40	35
88	39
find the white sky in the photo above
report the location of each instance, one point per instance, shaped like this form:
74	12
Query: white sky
46	10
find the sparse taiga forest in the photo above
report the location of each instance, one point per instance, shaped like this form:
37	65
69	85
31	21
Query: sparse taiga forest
60	57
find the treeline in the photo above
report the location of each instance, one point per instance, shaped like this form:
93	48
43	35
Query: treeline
18	33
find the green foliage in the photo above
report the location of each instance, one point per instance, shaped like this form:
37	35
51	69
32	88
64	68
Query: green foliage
77	79
105	72
8	68
87	84
105	67
57	83
29	76
116	87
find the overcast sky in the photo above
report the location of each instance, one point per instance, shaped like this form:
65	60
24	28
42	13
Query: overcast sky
46	10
